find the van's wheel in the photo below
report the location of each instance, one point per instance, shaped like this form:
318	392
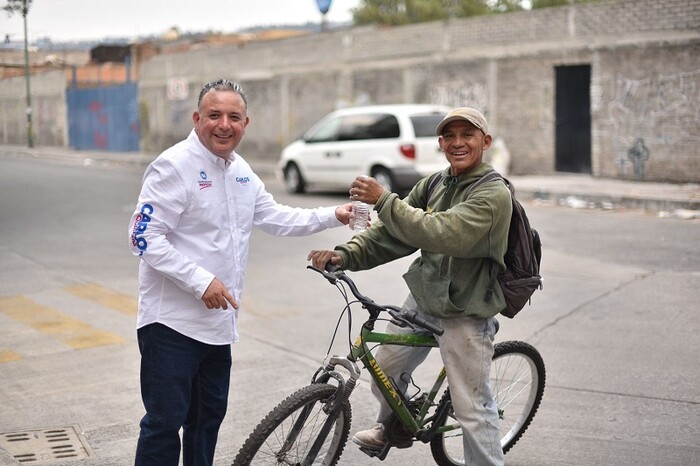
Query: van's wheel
293	181
384	178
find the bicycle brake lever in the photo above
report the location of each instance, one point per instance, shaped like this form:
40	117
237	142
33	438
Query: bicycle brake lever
396	318
400	323
329	276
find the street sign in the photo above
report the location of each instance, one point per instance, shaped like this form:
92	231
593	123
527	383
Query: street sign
177	89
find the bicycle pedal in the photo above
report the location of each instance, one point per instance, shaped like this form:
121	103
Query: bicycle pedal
379	453
372	453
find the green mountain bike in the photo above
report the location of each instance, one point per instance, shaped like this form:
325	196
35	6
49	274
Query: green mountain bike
312	425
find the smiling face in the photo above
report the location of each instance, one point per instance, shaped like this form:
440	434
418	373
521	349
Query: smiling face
464	145
220	121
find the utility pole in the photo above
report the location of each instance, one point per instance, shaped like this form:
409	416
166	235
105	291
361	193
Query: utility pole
27	74
323	7
23	7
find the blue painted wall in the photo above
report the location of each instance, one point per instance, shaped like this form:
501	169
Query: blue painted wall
104	118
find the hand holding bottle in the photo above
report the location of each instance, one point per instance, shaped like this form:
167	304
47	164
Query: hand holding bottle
364	191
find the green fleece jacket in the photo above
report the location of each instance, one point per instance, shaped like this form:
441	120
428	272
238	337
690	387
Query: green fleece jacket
456	238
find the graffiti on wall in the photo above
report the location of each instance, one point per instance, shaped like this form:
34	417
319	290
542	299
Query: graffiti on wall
664	110
460	94
638	154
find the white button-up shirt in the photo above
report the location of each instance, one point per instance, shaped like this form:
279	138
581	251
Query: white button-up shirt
192	223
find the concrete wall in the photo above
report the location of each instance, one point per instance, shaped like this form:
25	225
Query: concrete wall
645	76
49	120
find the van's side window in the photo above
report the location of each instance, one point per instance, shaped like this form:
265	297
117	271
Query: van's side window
368	126
326	132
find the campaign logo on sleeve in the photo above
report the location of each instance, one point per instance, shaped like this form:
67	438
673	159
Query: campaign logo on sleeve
141	222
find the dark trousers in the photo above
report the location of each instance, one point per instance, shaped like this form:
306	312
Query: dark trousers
184	384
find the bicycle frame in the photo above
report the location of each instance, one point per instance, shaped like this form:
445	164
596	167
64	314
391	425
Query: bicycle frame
415	424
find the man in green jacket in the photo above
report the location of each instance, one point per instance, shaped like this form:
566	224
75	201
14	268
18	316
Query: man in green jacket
458	239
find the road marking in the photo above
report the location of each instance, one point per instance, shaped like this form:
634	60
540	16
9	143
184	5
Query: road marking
72	332
105	297
8	356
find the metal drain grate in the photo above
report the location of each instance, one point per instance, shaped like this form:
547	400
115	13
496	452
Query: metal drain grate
46	446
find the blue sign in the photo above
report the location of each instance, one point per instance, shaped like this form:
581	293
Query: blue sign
324	5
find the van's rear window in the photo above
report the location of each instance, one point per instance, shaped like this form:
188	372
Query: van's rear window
424	125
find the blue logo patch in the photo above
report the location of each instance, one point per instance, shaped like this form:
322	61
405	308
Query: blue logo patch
203	183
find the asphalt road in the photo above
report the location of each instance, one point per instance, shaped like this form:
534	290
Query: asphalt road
616	323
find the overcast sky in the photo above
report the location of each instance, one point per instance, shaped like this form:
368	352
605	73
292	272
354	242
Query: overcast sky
63	20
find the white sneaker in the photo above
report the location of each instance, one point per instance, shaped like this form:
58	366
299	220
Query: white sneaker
373	438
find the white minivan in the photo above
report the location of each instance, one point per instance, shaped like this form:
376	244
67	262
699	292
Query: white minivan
396	144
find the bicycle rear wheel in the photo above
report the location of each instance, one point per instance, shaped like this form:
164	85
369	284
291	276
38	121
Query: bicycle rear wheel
517	384
286	435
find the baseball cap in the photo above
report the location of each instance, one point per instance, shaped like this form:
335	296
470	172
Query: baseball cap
468	114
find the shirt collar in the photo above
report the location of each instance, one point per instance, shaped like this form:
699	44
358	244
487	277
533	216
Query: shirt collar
193	139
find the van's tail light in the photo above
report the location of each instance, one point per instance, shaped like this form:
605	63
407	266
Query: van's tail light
408	151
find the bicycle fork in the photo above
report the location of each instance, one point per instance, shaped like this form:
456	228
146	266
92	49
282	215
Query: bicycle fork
332	407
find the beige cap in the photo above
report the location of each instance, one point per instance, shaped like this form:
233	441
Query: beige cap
468	114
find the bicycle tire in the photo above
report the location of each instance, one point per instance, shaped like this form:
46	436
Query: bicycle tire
264	445
517	382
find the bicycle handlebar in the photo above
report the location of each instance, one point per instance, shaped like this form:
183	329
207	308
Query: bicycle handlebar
414	318
333	273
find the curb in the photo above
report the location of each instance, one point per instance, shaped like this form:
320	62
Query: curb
609	202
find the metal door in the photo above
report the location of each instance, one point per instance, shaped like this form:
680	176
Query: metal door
104	118
573	119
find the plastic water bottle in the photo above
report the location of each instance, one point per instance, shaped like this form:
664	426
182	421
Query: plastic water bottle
361	211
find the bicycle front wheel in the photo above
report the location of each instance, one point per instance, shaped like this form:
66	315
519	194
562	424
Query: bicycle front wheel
517	384
286	435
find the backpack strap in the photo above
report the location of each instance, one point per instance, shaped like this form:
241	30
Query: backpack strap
433	181
489	176
493	270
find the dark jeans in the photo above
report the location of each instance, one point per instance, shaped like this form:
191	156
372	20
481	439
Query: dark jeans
184	384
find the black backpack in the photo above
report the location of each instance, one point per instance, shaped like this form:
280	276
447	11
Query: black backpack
523	255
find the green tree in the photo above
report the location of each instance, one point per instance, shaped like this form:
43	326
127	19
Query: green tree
398	12
547	3
504	6
17	6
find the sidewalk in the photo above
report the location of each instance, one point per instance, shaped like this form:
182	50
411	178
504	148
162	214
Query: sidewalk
571	190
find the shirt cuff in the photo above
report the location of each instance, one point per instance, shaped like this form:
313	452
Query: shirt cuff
201	281
328	218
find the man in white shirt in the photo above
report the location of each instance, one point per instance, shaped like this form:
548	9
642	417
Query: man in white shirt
191	228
